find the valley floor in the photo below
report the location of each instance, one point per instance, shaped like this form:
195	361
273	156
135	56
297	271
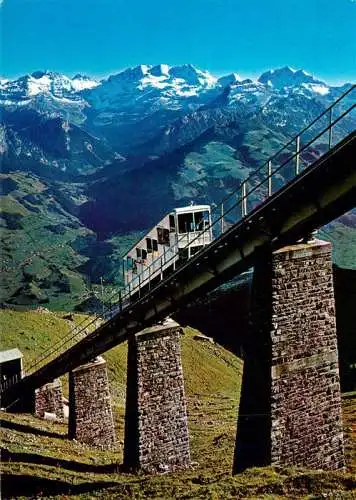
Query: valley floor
39	462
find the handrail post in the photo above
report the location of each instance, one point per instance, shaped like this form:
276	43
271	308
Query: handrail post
149	277
269	178
330	127
297	155
244	199
161	269
222	218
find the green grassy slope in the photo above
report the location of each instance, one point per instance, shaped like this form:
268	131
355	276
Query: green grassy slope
47	255
39	461
38	233
343	239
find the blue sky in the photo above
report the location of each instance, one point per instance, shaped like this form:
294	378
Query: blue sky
99	37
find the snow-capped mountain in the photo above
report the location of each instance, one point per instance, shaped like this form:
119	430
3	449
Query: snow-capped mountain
151	88
159	86
49	93
130	110
230	79
134	105
286	77
22	90
136	93
296	81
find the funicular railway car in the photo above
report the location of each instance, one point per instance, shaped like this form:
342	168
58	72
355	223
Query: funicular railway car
177	237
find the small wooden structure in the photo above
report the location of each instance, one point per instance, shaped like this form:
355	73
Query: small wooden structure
10	366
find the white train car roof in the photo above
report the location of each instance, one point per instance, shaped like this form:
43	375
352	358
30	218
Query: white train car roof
191	208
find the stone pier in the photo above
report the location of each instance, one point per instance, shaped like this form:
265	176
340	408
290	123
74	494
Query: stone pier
90	415
156	430
49	399
290	407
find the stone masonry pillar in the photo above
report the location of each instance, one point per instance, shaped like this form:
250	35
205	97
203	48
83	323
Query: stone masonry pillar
90	415
290	406
49	399
156	427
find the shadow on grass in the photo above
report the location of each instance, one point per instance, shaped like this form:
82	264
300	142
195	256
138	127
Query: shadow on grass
349	395
14	486
5	424
33	458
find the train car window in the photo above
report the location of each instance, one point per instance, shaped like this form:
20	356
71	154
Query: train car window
144	254
172	224
183	254
130	262
138	253
149	245
163	236
155	245
199	220
185	223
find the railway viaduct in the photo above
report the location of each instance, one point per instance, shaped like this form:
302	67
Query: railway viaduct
290	407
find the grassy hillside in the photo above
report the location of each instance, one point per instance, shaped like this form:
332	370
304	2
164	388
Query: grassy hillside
343	238
47	255
39	462
38	232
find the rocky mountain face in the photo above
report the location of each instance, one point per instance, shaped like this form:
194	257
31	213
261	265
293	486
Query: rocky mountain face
131	108
116	154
